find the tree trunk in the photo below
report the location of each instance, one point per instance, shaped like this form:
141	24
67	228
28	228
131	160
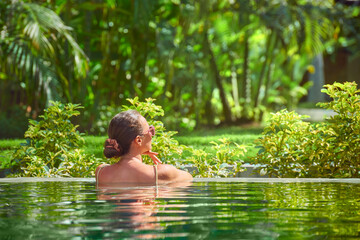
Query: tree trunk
235	91
267	83
213	65
268	49
244	82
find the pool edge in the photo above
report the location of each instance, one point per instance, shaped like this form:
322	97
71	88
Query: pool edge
269	180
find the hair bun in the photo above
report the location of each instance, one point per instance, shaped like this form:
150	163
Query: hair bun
112	143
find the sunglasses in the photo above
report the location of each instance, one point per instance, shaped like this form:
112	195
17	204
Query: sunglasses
151	131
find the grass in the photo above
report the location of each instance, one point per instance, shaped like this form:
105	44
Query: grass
94	145
199	139
202	139
7	147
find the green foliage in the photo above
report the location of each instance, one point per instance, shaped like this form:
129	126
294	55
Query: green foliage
201	139
7	148
104	113
291	147
163	141
13	123
222	162
205	61
52	146
40	56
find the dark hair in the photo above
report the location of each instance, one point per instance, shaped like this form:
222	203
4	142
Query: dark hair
123	129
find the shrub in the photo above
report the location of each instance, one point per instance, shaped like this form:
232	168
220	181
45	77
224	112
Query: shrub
52	146
163	142
224	163
291	147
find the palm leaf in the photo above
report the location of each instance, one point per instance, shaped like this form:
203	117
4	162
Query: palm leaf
317	30
35	67
34	36
41	20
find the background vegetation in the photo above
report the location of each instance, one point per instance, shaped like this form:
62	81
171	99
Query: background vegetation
54	147
207	62
199	139
291	147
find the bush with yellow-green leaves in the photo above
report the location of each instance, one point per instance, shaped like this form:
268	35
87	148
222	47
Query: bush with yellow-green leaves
291	147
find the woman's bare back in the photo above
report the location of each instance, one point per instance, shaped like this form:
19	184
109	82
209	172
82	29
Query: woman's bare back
128	172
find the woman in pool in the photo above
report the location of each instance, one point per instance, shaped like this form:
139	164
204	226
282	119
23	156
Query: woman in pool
130	137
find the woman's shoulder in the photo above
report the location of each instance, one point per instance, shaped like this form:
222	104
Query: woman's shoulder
101	166
171	173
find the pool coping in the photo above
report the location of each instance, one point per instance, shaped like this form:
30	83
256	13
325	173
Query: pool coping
265	180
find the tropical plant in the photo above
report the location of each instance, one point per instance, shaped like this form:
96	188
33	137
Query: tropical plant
291	147
163	141
225	162
52	146
206	62
39	55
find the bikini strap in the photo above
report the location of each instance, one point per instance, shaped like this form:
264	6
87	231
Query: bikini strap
98	174
156	181
156	175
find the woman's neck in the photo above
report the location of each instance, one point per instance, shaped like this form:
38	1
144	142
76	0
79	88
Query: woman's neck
131	156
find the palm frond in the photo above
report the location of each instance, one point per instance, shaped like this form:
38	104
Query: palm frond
40	23
318	29
30	67
31	42
299	26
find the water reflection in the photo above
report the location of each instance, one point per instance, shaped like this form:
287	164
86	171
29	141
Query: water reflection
199	210
136	208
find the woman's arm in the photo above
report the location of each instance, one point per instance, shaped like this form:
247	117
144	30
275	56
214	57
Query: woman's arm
170	173
167	172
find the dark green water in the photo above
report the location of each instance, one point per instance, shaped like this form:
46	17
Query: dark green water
202	210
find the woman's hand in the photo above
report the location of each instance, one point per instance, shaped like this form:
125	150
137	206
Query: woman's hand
152	155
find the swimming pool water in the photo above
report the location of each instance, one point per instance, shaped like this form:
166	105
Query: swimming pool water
200	210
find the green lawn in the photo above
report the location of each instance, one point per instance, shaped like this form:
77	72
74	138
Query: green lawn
198	140
243	136
7	147
94	145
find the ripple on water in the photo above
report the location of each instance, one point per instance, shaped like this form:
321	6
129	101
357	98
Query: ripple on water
200	210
